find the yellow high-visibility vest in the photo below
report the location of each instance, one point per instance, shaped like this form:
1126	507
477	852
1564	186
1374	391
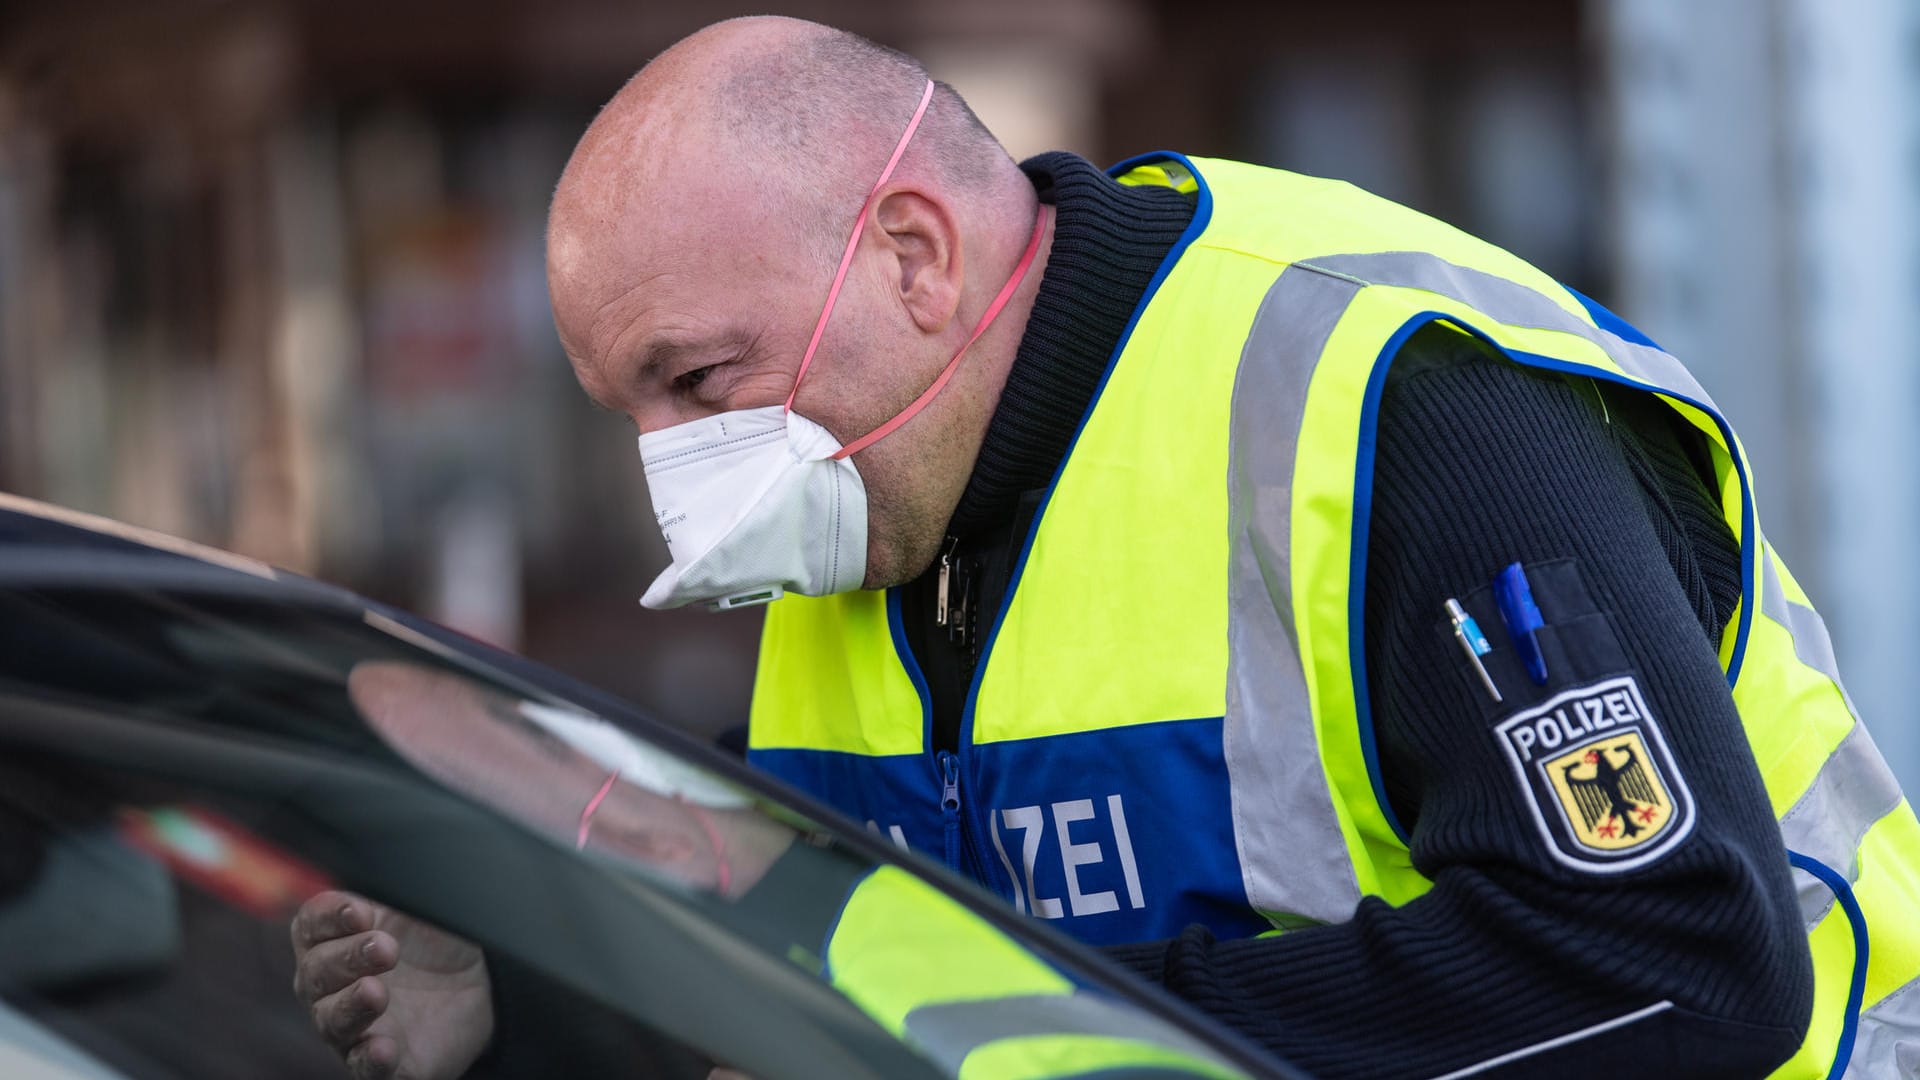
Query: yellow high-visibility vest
947	983
1167	725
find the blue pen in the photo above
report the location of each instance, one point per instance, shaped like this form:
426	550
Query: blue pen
1472	642
1514	597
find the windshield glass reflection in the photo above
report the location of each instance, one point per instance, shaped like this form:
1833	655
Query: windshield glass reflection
571	776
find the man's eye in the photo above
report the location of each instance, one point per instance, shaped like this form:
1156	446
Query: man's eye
693	378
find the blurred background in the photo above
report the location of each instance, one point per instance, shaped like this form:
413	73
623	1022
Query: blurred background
271	272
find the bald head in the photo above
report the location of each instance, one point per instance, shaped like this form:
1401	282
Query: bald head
805	113
696	228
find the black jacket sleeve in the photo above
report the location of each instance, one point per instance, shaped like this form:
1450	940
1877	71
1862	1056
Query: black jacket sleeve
1693	965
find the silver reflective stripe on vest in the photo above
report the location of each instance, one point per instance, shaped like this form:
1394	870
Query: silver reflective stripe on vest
949	1031
1515	305
1811	642
1854	787
1293	856
1887	1042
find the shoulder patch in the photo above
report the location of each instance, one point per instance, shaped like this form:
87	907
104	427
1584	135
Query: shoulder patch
1597	775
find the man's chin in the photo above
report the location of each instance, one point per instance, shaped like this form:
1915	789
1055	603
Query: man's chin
887	567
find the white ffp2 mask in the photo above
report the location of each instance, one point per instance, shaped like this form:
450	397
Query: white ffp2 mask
753	502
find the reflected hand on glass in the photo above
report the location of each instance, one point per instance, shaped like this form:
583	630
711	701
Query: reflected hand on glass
397	998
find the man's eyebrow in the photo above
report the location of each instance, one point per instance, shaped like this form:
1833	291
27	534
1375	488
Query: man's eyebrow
658	352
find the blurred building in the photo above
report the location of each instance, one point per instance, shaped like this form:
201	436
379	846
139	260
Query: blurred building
1765	164
271	273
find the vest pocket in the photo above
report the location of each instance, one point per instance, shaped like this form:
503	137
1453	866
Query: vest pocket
1578	640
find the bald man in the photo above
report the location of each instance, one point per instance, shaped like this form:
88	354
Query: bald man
1196	550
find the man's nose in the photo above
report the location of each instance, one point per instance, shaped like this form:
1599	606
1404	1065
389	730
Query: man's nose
666	414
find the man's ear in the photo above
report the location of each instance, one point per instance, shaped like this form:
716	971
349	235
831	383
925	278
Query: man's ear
922	236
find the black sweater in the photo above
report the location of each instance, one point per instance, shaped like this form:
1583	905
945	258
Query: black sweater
1480	463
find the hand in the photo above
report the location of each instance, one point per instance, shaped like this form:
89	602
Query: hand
399	999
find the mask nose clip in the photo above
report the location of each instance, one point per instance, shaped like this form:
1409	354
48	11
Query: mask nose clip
750	598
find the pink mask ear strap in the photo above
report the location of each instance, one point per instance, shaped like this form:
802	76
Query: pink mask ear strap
986	320
586	816
859	224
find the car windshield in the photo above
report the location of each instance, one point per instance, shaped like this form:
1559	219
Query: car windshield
188	752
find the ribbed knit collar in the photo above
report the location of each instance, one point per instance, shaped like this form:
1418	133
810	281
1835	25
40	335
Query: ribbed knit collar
1108	240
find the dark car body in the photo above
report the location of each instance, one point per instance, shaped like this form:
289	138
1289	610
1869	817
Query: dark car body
186	754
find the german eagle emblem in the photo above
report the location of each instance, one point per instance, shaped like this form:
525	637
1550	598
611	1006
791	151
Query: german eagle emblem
1617	801
1603	787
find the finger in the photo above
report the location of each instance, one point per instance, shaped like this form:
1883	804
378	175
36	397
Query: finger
343	1018
331	965
328	915
375	1058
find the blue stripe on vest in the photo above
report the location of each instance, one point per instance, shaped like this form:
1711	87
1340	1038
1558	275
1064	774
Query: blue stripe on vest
1119	835
1611	323
896	796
